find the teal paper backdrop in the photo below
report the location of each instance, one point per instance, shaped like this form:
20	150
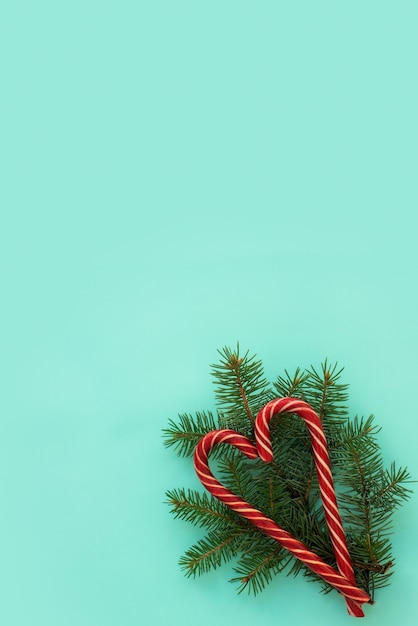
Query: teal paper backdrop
177	176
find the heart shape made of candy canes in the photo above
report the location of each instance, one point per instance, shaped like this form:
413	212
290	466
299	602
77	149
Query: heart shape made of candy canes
343	580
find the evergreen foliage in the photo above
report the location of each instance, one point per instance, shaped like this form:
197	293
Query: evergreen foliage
287	489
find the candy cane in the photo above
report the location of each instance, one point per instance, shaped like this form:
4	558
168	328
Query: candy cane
345	584
325	480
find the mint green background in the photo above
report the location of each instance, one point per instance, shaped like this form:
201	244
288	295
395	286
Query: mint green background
176	176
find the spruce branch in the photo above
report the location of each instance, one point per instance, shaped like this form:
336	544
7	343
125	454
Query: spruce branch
241	388
186	434
292	386
210	552
326	394
287	489
201	509
371	495
256	570
392	491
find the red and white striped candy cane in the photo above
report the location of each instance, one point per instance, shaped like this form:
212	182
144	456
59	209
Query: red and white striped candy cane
354	596
326	483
